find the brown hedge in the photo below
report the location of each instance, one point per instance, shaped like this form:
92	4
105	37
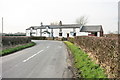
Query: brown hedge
111	35
104	50
8	41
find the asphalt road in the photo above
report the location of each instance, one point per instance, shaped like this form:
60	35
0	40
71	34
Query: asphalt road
47	59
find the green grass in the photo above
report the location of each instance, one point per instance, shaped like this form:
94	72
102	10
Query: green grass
85	66
11	50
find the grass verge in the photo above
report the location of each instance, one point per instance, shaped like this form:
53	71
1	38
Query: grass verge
11	50
85	66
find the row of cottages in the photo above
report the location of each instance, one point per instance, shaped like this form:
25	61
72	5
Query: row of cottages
64	30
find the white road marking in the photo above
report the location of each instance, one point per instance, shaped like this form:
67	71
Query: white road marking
60	46
32	56
48	46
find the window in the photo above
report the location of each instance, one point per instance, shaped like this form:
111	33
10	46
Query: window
60	34
74	34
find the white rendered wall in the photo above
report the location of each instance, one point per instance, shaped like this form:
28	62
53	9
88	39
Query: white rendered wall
27	32
65	31
78	33
38	32
34	33
56	32
98	34
46	34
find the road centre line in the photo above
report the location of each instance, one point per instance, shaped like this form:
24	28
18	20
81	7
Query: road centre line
32	56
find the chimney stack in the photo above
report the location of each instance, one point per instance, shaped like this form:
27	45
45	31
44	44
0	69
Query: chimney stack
60	23
41	24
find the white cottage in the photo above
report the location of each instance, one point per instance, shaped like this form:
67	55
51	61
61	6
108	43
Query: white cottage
61	30
64	30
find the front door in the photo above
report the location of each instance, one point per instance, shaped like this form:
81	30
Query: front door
95	33
67	35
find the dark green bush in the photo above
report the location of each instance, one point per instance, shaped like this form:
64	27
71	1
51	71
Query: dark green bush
11	50
14	40
64	39
38	38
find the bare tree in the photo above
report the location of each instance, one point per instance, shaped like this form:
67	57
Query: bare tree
82	20
54	23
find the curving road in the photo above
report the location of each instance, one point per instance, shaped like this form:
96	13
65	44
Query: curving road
47	59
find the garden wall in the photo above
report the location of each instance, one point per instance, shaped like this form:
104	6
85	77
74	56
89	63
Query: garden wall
10	41
103	50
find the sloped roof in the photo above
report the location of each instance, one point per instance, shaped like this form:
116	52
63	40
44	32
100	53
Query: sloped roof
28	28
71	26
55	26
36	27
64	26
41	27
52	26
91	28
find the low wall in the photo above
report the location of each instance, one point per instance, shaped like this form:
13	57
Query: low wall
9	41
103	50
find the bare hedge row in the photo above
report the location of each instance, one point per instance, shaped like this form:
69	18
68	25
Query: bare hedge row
8	41
111	35
104	50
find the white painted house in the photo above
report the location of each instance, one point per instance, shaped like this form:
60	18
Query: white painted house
61	30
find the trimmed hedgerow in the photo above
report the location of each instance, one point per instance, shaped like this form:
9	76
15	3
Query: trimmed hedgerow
38	38
85	66
105	50
8	41
11	50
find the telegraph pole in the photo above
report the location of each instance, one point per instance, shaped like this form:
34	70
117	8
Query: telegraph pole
2	24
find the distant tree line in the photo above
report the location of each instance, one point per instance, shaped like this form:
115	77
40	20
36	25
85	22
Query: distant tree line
15	34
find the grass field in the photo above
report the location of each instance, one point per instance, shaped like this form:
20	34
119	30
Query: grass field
11	50
85	66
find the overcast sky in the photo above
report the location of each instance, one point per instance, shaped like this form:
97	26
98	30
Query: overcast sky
21	14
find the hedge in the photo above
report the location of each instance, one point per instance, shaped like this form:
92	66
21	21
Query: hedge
8	41
38	38
104	50
11	50
85	66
